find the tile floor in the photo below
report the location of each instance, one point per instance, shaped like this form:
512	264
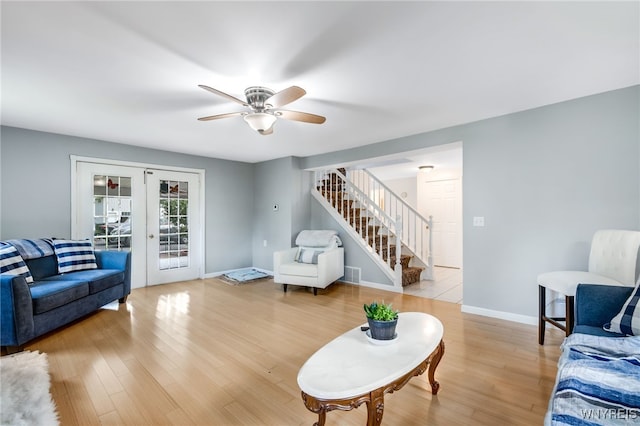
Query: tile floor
447	286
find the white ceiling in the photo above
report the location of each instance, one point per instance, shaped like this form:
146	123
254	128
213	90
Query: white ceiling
128	71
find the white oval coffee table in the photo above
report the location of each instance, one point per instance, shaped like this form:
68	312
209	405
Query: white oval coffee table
350	370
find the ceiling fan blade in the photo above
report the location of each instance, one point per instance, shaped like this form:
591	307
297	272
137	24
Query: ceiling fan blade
305	117
285	97
266	132
224	95
219	116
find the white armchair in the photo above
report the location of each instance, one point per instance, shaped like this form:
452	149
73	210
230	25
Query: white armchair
316	262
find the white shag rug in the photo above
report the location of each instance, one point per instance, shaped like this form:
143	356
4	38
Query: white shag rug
24	386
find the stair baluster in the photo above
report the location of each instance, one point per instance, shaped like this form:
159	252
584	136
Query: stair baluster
416	232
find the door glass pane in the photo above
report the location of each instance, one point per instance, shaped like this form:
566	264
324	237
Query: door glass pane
174	225
112	212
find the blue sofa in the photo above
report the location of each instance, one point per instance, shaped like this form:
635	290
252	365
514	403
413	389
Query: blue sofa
598	379
53	300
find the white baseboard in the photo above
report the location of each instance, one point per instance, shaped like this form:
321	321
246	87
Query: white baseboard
523	319
377	286
215	274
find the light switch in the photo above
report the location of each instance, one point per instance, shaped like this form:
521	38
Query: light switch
478	221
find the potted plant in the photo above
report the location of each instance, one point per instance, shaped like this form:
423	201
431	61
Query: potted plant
382	320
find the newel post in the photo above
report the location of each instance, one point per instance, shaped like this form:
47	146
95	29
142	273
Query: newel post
398	266
430	256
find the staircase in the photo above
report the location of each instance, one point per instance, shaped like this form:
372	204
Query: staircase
415	233
369	223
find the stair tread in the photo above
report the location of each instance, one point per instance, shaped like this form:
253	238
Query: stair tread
411	275
403	261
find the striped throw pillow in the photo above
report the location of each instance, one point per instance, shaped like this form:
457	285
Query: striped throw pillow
628	319
11	263
74	255
306	255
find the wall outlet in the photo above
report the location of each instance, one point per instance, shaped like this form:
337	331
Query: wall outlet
264	243
478	221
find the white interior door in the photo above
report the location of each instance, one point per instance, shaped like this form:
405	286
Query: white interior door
443	200
173	226
110	210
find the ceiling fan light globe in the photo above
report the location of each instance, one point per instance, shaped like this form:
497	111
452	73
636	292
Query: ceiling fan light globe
260	121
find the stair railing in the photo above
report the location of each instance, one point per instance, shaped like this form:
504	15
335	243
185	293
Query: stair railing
364	218
416	233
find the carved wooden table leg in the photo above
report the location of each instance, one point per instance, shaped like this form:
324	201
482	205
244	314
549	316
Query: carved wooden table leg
375	407
433	364
315	406
322	417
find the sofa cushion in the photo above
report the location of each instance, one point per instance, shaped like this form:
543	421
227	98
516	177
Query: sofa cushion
74	255
299	269
11	263
595	331
307	255
98	279
49	295
627	321
43	267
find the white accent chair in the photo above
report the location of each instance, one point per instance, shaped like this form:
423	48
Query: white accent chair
316	262
614	259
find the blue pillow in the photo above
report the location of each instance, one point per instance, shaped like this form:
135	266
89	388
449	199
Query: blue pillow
628	319
74	255
11	263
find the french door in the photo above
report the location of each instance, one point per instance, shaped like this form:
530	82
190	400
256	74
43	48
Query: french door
154	214
173	223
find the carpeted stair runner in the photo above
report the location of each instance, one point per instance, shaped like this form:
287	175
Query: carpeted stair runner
331	189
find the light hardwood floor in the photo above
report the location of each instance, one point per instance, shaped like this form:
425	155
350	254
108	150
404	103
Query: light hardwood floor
208	353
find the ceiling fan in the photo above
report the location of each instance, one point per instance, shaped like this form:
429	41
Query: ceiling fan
264	105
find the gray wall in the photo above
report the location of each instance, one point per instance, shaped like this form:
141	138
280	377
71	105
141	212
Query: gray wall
301	201
545	180
354	254
36	193
284	183
272	185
